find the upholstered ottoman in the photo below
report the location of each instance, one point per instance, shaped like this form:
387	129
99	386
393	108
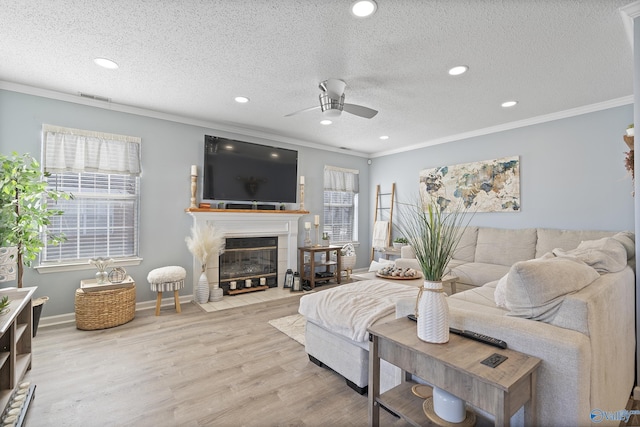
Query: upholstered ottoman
167	279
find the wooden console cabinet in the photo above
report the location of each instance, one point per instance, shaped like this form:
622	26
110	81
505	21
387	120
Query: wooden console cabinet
15	341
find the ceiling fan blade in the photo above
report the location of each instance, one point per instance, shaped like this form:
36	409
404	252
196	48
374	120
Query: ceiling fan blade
359	110
302	111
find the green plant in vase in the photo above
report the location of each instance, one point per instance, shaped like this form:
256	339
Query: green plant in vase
434	234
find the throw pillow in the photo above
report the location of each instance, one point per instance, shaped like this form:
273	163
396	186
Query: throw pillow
536	288
377	265
500	293
606	255
628	241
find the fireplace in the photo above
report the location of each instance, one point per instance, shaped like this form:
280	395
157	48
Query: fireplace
248	264
282	225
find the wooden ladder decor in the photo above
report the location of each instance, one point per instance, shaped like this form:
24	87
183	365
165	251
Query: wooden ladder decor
383	212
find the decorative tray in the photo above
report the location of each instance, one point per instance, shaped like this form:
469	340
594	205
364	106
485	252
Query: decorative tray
417	276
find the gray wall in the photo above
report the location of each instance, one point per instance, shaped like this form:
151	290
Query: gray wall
168	150
572	171
572	176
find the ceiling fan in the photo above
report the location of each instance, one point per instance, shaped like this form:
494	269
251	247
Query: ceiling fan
332	101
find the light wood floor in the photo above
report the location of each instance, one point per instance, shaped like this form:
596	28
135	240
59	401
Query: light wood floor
227	368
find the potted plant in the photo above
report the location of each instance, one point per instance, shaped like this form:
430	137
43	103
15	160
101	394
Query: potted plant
630	130
24	214
434	234
399	242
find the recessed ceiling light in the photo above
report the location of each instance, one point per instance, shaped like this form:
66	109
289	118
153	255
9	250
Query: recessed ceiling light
241	99
508	104
384	137
325	122
363	8
459	69
106	63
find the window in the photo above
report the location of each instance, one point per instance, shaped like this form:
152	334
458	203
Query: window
341	204
102	171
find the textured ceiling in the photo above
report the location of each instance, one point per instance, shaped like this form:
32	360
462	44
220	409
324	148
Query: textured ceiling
191	58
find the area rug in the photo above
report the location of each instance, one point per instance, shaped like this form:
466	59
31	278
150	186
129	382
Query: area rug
292	326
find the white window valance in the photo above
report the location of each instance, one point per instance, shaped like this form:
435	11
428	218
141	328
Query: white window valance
339	179
76	150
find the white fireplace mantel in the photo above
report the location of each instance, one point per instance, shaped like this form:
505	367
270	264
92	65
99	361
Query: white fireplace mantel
251	223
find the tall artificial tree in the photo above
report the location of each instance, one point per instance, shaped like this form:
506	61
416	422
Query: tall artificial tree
24	213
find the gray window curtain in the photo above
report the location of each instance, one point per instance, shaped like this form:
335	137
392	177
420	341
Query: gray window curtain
339	179
75	150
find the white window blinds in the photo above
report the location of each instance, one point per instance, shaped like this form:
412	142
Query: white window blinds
102	172
340	204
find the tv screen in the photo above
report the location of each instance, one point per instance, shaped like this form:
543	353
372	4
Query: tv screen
243	171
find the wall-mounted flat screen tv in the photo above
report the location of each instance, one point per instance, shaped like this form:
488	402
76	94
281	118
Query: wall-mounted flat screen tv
243	171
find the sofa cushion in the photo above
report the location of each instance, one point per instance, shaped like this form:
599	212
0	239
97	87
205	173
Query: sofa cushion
536	288
550	239
466	249
606	255
482	295
478	274
505	247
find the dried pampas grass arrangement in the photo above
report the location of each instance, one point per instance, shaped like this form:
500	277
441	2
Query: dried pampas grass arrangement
204	242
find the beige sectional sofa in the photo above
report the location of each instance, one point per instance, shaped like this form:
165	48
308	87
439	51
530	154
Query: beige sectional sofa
579	322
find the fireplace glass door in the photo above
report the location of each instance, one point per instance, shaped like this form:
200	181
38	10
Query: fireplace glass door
249	264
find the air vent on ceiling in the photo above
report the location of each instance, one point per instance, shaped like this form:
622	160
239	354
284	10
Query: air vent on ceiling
94	97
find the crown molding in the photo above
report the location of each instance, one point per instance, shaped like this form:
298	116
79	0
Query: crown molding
625	100
248	132
240	131
628	13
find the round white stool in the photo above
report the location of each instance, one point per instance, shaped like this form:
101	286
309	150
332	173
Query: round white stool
167	279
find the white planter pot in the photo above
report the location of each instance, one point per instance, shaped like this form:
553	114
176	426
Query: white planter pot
448	407
433	313
216	294
202	290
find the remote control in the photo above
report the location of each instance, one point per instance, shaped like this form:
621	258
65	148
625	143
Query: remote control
479	337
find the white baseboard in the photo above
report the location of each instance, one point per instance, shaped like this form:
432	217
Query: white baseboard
62	319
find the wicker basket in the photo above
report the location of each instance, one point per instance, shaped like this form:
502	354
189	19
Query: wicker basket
105	309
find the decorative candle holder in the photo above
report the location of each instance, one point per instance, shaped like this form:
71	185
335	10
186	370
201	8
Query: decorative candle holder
307	237
317	235
194	179
301	197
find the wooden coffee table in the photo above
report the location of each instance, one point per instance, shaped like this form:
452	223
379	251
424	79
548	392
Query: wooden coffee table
454	367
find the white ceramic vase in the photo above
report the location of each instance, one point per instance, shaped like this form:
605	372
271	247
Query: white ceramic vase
433	313
448	407
216	293
202	290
